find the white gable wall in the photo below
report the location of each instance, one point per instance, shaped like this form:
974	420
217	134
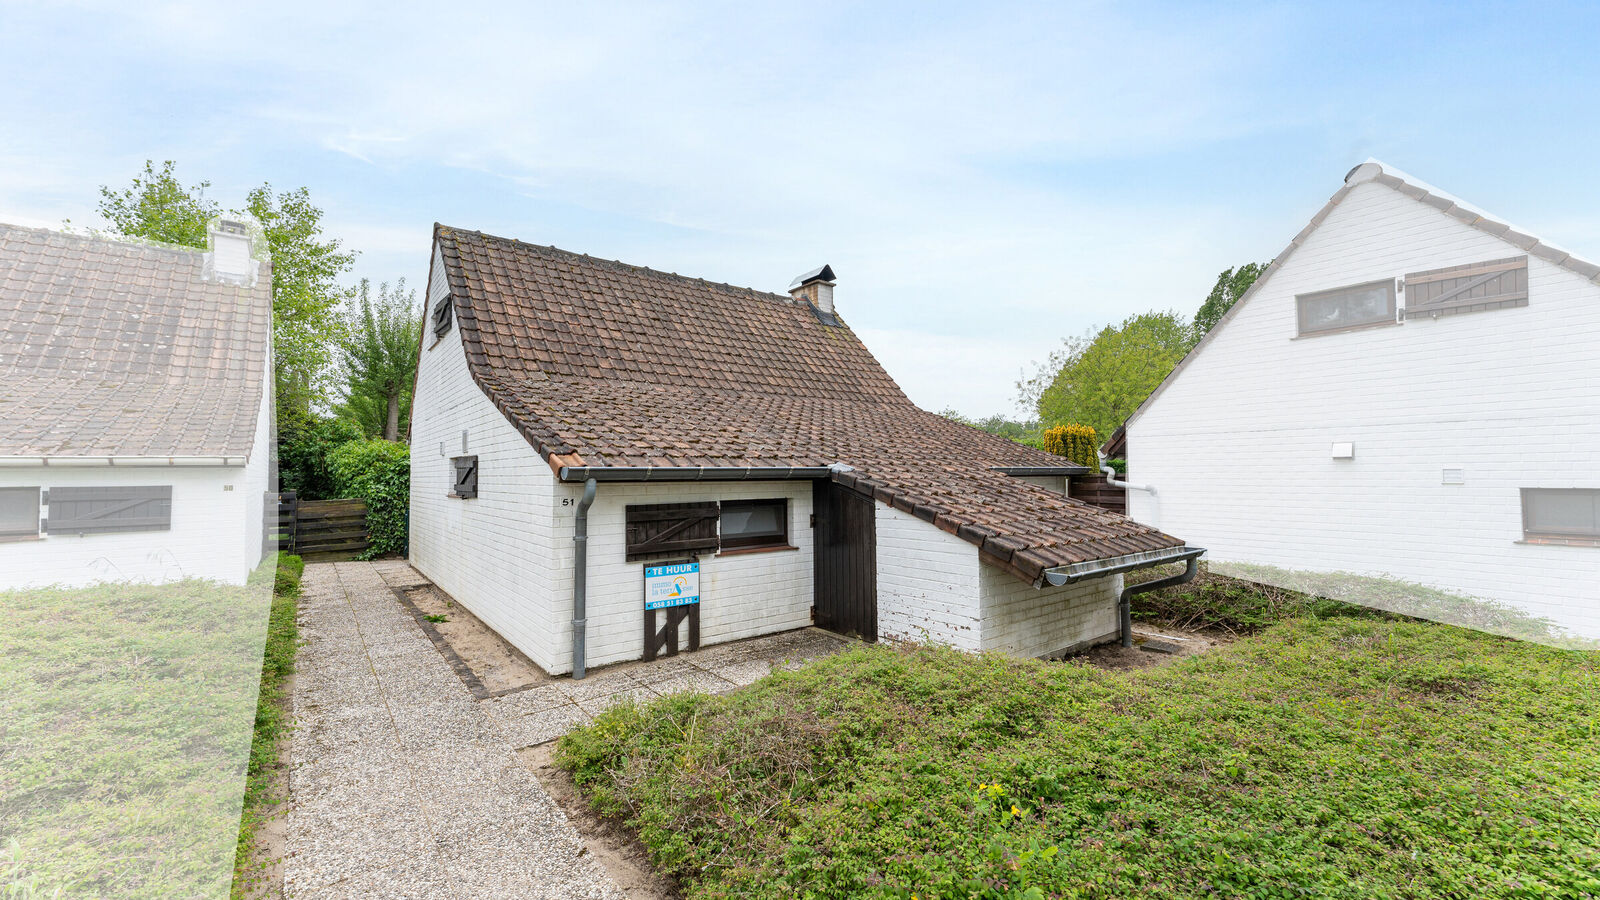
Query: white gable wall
1023	620
491	553
1238	444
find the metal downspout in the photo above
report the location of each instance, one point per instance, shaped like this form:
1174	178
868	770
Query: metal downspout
1125	600
580	579
1111	479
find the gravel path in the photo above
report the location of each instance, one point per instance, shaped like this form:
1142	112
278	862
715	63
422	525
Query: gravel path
404	786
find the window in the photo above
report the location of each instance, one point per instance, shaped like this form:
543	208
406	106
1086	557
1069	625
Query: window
1471	288
1557	514
19	512
442	312
1347	307
751	524
103	510
674	529
466	477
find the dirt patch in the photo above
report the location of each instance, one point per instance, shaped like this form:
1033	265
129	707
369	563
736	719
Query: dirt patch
261	878
614	846
1152	648
498	665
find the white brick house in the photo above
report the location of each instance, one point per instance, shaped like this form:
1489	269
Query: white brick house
136	429
1411	390
747	433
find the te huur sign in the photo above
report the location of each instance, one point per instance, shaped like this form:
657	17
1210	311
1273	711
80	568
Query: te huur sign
674	591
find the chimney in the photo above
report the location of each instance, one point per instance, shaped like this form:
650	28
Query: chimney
816	287
231	259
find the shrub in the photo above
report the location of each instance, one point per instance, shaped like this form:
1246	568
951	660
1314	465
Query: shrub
1075	442
303	448
378	472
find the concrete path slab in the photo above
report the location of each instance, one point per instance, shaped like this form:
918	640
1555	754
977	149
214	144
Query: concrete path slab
403	785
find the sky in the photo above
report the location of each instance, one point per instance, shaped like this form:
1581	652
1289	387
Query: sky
985	179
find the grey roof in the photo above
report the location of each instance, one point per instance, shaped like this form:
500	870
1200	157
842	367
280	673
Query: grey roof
119	349
1374	171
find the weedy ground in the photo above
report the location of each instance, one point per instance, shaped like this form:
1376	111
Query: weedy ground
1331	752
125	735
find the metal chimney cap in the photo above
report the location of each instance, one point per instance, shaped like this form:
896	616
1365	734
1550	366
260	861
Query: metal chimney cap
821	273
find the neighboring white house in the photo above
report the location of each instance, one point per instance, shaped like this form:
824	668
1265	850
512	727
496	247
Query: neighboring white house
1411	389
135	408
746	435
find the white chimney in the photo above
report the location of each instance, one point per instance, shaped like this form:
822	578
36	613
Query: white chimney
816	288
230	258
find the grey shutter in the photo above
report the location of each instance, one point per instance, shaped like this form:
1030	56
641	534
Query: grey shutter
466	484
98	509
19	511
1470	288
671	528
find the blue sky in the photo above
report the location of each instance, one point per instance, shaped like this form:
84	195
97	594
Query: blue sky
985	178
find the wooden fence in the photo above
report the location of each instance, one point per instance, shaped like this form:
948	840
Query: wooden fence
1093	490
316	530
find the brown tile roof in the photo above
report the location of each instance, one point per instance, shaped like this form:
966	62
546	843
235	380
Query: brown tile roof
600	363
119	349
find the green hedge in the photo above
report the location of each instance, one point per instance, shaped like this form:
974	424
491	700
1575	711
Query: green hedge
378	472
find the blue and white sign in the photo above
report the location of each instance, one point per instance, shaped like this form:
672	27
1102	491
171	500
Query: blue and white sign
674	585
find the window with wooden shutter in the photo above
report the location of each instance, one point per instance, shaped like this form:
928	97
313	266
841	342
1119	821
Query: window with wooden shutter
101	509
466	477
1470	288
443	312
671	529
19	512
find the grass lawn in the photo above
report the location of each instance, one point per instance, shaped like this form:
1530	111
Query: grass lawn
265	782
1327	755
125	736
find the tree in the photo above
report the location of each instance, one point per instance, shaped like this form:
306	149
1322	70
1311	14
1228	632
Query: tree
306	297
158	207
1010	429
379	359
1100	378
1230	286
307	301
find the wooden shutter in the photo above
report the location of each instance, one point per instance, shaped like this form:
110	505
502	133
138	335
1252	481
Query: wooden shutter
466	484
1469	288
442	312
98	509
671	528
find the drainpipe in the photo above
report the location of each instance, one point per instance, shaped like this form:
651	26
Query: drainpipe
1125	600
1111	479
580	579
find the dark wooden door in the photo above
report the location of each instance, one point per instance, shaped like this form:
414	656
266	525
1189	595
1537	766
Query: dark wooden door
846	561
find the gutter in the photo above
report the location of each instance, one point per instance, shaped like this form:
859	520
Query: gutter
580	580
1117	564
1025	471
130	461
693	473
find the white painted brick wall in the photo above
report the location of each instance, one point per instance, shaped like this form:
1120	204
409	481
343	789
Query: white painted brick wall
1027	621
742	595
491	553
1238	444
1057	483
927	583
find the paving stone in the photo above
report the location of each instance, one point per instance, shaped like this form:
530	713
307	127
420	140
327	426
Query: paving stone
420	877
703	682
542	727
596	705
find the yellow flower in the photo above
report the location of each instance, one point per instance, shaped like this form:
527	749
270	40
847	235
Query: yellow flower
1015	811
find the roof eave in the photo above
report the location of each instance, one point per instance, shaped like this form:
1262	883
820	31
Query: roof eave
1099	568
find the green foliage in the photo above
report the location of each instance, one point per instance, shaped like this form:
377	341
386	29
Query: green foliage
1339	757
265	781
306	298
304	443
1100	378
1230	286
1227	604
1117	464
1075	442
379	358
378	472
307	324
126	714
158	207
1000	426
